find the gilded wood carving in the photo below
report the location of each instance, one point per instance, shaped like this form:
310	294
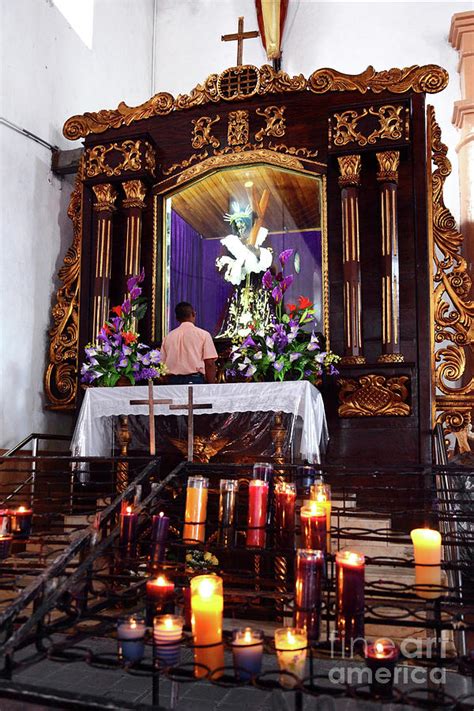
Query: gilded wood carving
202	135
238	128
132	155
429	79
453	310
374	396
61	374
276	122
393	120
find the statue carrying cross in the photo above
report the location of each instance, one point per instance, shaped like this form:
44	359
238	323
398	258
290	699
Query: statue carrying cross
240	36
151	413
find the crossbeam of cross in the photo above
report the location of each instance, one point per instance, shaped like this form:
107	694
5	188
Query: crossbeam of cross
190	406
240	36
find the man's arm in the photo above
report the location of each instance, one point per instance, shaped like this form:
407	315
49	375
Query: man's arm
210	368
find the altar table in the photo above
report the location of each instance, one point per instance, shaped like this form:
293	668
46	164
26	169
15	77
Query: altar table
93	435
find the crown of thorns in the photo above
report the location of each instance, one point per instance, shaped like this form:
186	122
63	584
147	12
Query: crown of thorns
238	214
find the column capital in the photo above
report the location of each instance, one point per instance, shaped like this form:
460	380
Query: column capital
461	33
106	196
388	166
349	167
135	191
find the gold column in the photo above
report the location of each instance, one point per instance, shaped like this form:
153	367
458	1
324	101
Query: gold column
387	176
104	207
349	182
135	191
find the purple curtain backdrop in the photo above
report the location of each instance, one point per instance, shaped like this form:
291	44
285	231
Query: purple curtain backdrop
194	276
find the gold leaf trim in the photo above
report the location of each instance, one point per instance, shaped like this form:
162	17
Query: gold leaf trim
61	373
185	163
292	151
275	122
392	125
131	151
429	78
202	135
374	396
453	311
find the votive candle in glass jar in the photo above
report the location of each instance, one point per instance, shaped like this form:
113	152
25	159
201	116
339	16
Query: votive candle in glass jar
308	577
350	581
305	476
159	537
427	550
285	497
167	636
257	513
5	545
263	471
247	651
227	506
196	509
291	646
381	658
321	493
207	607
4	522
20	522
313	526
131	638
128	531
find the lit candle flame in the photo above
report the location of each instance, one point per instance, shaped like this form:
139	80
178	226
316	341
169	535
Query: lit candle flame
161	580
133	623
379	648
290	637
128	509
21	509
168	623
206	588
248	636
161	514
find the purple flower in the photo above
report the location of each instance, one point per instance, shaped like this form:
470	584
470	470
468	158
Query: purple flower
278	365
271	356
258	355
249	342
287	281
308	373
90	351
135	293
333	370
277	295
102	335
279	276
126	350
284	256
250	371
126	306
312	346
269	342
155	356
294	356
148	374
123	362
134	280
116	322
267	280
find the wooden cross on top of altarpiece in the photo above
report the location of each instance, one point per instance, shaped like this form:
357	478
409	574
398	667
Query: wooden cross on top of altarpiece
151	413
190	407
240	36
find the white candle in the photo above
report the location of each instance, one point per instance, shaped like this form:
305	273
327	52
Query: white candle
427	552
290	645
167	634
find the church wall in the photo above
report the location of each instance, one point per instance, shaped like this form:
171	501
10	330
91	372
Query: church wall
49	73
347	36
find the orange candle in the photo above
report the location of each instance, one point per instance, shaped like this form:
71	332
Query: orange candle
321	493
196	509
427	551
207	606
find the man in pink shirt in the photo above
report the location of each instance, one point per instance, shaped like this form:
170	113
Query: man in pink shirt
188	351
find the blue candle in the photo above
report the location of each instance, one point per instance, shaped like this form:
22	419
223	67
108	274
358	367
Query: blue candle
247	649
131	638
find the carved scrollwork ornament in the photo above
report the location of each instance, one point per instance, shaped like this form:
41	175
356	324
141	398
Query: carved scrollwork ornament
276	122
97	158
389	162
202	135
230	86
374	396
453	310
61	373
349	167
238	128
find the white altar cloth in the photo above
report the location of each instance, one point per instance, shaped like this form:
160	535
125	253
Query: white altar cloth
93	436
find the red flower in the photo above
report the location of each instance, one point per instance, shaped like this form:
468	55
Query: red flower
304	302
129	337
117	310
106	329
291	308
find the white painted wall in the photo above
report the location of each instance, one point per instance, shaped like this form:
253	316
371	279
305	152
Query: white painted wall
48	74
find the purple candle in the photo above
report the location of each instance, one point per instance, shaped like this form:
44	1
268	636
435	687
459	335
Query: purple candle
309	573
159	537
285	497
350	569
263	471
381	657
5	545
128	531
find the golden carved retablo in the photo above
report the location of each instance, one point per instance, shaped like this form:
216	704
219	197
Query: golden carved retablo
349	167
276	122
373	396
202	135
238	83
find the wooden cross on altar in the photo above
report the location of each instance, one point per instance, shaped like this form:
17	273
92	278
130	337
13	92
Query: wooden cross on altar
240	36
151	413
190	407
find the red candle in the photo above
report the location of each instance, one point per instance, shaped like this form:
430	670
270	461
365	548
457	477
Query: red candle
21	522
257	512
128	530
285	497
350	568
313	526
4	522
159	597
309	574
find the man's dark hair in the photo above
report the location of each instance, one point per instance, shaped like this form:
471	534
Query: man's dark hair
184	310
